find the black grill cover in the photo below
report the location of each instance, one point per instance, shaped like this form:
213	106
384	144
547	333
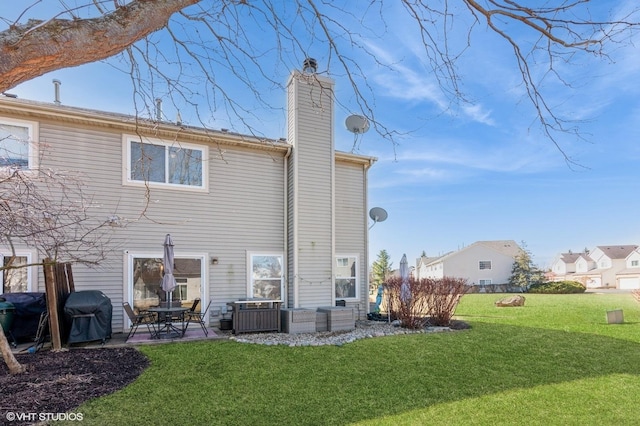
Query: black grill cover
88	316
28	307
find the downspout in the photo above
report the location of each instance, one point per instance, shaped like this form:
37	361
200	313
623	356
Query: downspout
286	223
366	168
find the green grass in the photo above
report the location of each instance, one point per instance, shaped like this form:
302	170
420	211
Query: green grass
554	361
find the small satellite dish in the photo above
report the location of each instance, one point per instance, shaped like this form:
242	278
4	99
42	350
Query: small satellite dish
377	214
357	124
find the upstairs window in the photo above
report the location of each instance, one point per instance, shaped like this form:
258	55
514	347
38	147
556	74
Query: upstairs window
159	163
634	263
16	144
484	264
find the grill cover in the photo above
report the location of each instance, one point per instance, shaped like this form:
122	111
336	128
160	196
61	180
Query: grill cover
88	316
28	307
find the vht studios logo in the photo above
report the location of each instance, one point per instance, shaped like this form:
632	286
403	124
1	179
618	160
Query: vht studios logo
42	417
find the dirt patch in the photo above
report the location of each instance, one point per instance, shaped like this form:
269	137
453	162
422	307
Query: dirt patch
56	382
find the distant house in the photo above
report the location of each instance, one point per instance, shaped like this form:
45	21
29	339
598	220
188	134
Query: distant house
482	263
565	263
250	217
616	266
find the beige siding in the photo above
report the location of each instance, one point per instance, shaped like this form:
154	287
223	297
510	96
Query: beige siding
243	211
305	206
465	264
351	221
312	138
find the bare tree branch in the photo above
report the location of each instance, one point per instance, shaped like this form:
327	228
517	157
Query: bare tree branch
202	45
30	50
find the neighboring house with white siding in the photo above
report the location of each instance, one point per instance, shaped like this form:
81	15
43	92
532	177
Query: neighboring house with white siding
249	217
615	266
481	263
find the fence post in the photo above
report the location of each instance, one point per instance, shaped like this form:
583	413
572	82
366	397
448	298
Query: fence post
52	303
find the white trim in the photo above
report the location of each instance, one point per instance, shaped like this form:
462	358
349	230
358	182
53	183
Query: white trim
249	263
336	277
30	269
33	130
487	263
126	167
204	282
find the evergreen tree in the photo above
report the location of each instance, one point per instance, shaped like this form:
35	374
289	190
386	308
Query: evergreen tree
523	272
380	270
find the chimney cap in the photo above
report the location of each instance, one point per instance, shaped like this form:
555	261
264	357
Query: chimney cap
309	66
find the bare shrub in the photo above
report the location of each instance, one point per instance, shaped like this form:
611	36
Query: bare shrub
423	302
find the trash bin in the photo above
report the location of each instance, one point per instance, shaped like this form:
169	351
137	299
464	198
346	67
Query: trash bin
6	315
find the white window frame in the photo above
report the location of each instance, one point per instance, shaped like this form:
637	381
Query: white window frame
635	263
30	275
356	278
484	263
126	155
204	286
33	132
485	282
250	278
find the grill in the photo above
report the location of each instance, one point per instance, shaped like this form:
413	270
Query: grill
88	316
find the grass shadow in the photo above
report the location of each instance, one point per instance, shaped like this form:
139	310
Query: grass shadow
365	380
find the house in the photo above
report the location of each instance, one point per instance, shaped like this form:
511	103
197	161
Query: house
565	263
481	263
615	266
278	219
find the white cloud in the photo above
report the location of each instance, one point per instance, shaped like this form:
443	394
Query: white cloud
417	85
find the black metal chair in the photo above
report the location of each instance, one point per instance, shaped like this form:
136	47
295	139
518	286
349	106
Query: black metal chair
197	318
146	318
192	309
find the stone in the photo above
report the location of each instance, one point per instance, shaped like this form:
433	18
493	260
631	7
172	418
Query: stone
363	330
511	301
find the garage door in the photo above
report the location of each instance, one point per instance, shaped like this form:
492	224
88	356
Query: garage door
629	283
594	282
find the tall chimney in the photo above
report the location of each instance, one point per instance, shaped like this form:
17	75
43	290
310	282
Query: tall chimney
158	109
56	98
310	66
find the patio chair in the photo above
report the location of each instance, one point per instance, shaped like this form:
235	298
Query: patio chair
146	318
197	318
192	309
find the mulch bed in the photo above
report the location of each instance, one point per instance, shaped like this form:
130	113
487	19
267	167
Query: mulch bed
57	382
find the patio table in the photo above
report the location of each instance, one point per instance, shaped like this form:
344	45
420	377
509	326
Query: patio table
166	328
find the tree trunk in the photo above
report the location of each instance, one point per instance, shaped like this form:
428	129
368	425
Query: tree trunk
31	50
14	366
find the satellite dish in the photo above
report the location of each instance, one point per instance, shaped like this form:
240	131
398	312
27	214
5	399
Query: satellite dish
357	124
377	214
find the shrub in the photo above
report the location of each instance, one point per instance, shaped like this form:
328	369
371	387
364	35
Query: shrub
432	301
558	287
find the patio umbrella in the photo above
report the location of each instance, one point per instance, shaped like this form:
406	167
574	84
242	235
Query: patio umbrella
168	280
405	289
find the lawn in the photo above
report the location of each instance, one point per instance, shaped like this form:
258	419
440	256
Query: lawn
554	361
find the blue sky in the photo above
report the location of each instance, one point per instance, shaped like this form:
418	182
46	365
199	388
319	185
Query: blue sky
460	172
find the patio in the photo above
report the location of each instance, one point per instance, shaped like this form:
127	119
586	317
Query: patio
140	338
